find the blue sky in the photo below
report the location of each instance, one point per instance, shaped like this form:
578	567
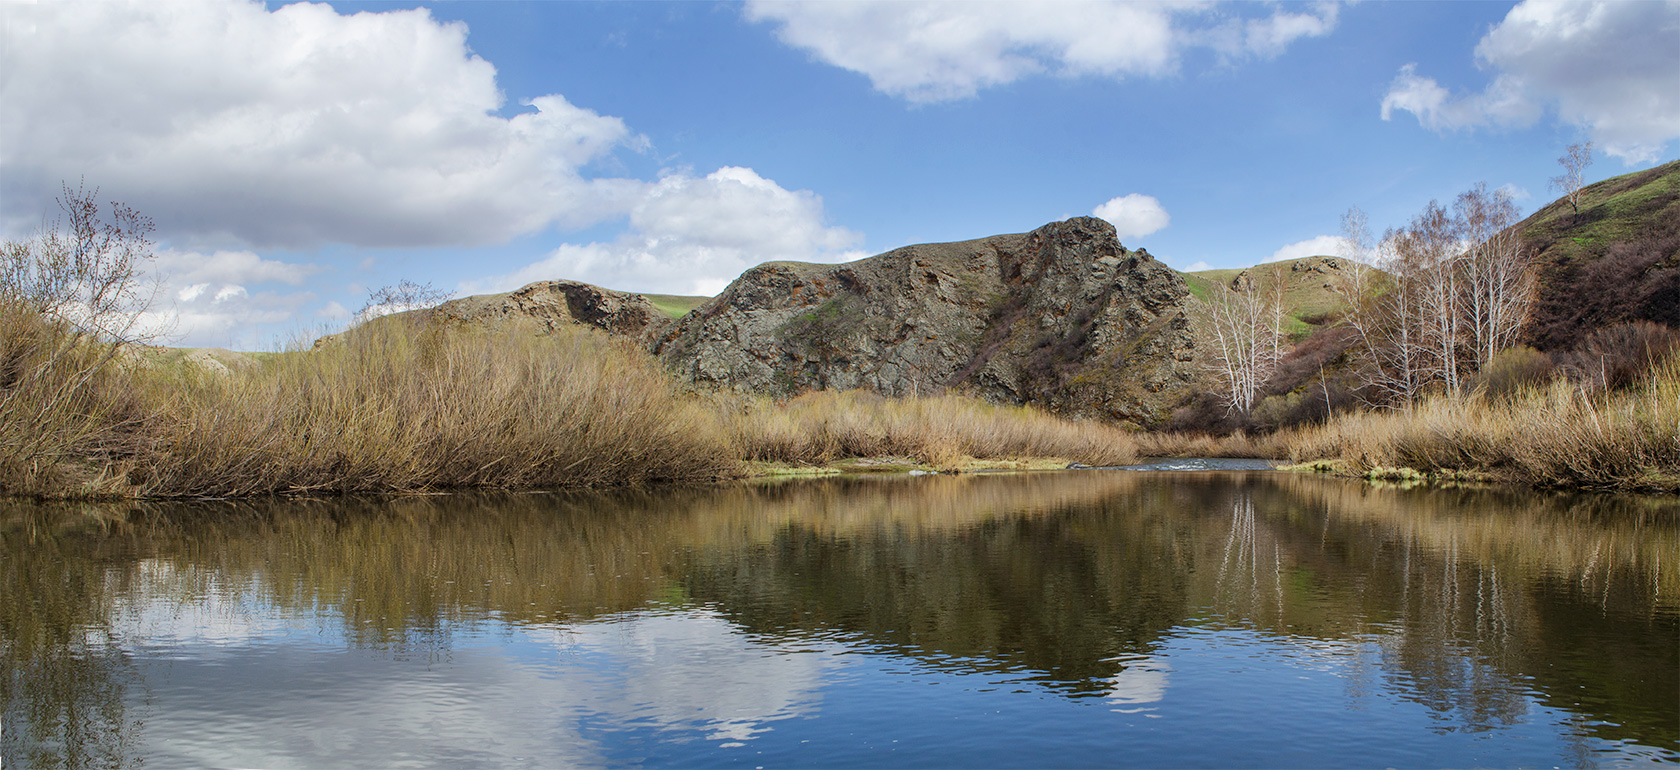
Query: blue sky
296	156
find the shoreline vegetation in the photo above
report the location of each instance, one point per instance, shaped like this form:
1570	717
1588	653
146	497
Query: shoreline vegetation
413	406
413	403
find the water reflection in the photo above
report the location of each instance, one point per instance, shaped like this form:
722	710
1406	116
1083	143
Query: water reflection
584	628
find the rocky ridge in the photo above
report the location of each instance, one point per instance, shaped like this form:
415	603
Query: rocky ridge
1063	317
550	304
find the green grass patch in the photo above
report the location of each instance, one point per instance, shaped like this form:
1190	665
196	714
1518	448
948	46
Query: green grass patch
676	305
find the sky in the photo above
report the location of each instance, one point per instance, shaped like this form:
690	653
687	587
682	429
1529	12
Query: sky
295	157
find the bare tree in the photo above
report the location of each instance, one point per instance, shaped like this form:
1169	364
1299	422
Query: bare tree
84	270
1396	314
71	297
1242	328
1379	310
1458	290
1435	254
1575	162
404	296
1499	280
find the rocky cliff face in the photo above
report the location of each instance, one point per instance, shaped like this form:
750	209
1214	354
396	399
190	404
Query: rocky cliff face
1063	317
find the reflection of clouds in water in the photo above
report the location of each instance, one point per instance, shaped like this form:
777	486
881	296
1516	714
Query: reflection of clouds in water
167	606
1142	681
242	691
695	670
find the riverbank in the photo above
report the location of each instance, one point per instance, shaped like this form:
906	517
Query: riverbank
401	407
1554	435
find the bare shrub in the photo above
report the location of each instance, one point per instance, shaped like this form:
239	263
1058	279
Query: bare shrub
72	296
1619	355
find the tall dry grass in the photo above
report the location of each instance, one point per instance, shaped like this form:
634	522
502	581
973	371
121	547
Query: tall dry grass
1554	435
408	406
65	418
403	406
1177	444
945	431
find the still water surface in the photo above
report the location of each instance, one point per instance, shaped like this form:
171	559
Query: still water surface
1077	619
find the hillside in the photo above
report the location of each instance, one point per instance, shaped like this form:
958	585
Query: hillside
675	305
1617	260
543	305
1307	297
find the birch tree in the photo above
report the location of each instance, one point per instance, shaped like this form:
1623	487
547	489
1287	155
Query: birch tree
1380	310
1242	328
1432	251
1458	290
1499	281
1575	161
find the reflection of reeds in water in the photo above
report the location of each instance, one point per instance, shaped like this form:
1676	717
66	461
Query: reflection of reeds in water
1056	572
1594	540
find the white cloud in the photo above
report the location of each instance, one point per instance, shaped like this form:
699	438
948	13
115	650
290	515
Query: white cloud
1198	266
233	125
207	299
1515	191
1323	245
1272	35
931	51
694	235
1134	215
1610	67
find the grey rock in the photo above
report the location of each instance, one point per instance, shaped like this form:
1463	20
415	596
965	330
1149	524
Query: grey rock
552	303
1063	317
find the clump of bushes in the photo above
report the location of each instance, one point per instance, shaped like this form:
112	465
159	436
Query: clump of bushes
414	406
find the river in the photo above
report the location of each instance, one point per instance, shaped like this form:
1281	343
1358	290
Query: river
1097	618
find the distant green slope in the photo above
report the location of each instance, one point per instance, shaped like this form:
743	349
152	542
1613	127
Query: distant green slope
675	305
1307	300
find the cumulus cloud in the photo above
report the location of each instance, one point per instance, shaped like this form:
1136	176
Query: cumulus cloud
230	124
693	235
223	297
1319	246
1609	67
1134	215
931	51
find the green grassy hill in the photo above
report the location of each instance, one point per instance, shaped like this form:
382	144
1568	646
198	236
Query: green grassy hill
675	305
1617	260
1307	297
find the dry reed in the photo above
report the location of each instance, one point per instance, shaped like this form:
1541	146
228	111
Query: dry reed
944	431
1238	444
414	406
1552	435
410	406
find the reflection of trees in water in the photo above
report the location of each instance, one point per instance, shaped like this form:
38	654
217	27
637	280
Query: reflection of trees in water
1449	603
1060	578
1478	597
1250	580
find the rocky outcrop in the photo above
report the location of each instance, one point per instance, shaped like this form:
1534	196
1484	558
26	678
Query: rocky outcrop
552	303
1063	317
